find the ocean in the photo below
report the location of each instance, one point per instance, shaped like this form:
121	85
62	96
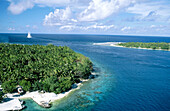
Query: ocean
128	79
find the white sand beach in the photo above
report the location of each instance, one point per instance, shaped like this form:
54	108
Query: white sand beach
13	104
115	44
38	97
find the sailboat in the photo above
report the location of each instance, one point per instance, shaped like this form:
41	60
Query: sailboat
29	35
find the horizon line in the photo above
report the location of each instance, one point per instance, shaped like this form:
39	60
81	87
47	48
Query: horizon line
87	34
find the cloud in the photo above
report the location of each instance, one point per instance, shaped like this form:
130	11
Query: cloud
68	27
53	3
152	26
151	11
126	28
11	29
20	6
90	27
27	26
59	17
35	27
100	9
158	26
74	20
31	26
103	27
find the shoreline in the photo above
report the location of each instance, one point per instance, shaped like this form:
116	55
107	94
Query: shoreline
45	98
52	73
42	99
115	44
12	104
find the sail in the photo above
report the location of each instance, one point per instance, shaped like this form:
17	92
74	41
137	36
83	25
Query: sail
29	35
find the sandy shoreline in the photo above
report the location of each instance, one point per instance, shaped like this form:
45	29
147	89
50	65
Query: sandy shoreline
36	96
13	104
46	97
115	44
40	98
108	43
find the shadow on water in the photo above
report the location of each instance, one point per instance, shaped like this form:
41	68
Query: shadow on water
7	99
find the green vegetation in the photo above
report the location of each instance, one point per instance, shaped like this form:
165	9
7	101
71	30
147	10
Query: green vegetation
1	96
9	86
36	67
151	45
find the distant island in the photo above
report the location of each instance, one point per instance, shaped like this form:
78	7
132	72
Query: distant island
151	45
41	68
140	45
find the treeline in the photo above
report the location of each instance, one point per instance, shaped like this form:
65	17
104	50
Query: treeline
36	67
152	45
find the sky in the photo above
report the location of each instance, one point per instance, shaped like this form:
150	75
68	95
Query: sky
116	17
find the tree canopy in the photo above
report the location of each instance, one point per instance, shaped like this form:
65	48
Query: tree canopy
38	67
151	45
1	96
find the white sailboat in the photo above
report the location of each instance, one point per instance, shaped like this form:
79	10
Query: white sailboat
29	35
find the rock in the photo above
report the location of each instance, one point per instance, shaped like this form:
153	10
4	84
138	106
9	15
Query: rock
97	92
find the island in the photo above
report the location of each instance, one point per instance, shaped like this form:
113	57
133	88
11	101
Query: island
150	45
37	70
140	45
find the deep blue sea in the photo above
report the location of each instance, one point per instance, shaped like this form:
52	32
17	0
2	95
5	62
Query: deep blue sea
128	79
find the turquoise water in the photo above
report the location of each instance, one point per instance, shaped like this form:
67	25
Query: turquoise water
129	79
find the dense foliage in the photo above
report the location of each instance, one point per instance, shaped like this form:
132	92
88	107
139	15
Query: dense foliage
1	96
37	67
152	45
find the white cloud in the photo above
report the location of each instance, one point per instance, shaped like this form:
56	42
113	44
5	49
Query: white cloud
19	7
152	26
27	26
157	26
126	28
100	9
59	17
74	20
90	27
52	3
35	27
151	11
68	27
103	27
31	26
11	29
